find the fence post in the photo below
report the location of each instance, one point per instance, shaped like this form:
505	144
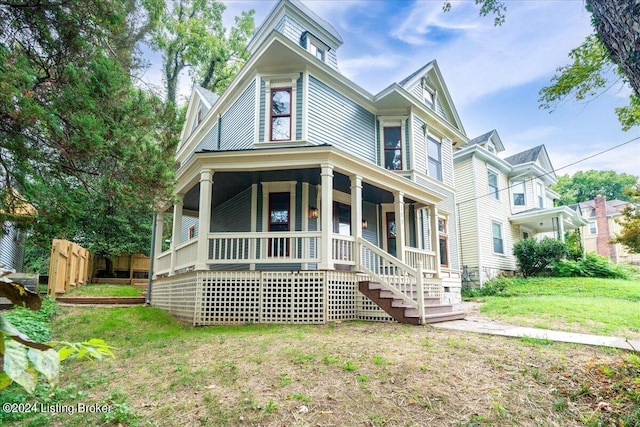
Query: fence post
420	285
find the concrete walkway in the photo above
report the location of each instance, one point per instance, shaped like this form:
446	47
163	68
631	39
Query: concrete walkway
484	325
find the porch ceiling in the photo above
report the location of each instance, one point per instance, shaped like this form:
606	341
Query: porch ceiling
541	220
228	184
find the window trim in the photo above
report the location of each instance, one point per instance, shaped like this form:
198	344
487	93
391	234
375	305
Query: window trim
439	161
394	149
593	223
514	184
495	194
272	93
318	45
277	82
501	237
541	195
443	236
389	122
191	232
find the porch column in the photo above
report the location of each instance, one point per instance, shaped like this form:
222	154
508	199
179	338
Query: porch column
561	227
157	242
433	232
356	216
398	204
326	218
175	234
204	219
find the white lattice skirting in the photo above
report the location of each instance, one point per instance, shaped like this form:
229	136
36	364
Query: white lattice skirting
218	297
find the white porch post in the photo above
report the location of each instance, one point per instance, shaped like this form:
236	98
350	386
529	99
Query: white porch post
175	234
157	243
398	204
326	217
433	232
204	219
356	216
561	227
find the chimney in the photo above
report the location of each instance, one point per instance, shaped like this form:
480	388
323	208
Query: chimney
602	240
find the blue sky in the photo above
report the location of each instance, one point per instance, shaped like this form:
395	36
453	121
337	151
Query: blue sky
494	74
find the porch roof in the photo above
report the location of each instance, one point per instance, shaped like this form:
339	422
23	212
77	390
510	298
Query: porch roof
541	220
298	163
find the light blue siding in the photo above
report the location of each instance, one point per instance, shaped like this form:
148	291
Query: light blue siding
294	31
210	140
407	143
233	215
335	119
299	109
370	213
237	125
262	115
11	247
187	222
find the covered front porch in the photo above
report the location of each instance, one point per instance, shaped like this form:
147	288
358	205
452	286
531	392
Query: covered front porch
306	210
553	222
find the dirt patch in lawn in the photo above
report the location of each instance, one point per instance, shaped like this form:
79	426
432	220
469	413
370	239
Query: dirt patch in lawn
346	374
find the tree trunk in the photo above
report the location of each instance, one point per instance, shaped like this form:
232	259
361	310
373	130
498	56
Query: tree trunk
108	262
618	25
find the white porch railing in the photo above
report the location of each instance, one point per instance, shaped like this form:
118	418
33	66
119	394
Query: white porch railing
186	254
343	249
265	247
412	256
164	263
407	283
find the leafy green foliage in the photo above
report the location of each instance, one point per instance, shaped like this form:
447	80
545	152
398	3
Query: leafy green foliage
586	185
191	35
592	265
34	324
534	256
80	141
629	235
495	287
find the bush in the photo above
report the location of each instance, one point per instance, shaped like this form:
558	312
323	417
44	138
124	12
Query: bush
34	324
591	266
535	256
494	287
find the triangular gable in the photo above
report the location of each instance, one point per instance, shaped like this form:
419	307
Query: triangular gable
428	79
491	136
200	103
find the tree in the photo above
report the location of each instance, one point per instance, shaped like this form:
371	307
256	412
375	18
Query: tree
629	236
583	186
614	46
192	37
74	130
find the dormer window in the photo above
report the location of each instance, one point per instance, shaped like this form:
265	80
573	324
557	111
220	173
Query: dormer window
199	115
429	97
316	51
491	148
316	47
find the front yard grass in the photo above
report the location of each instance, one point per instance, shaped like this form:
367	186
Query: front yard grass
588	305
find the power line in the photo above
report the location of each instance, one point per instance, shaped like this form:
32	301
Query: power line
554	170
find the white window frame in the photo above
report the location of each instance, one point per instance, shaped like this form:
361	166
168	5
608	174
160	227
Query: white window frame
438	140
493	236
280	81
495	195
314	45
593	227
541	194
514	185
429	96
390	122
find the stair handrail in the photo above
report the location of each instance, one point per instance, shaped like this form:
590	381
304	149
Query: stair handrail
405	268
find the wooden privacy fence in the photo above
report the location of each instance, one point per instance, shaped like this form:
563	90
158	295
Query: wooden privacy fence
128	269
69	267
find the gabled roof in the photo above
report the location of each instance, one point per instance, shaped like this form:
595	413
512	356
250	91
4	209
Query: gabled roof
527	156
431	71
489	136
614	207
207	95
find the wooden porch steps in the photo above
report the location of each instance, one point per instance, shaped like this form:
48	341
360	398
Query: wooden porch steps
402	312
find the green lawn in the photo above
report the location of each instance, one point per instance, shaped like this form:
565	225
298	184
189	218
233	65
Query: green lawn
590	305
105	289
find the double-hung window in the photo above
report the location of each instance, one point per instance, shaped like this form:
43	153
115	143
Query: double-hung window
492	177
593	227
540	196
443	242
434	153
517	190
281	114
498	241
393	148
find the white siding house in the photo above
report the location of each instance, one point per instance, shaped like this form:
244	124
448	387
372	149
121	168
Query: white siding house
501	201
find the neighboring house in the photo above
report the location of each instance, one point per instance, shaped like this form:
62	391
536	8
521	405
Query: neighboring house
501	201
303	198
602	215
12	246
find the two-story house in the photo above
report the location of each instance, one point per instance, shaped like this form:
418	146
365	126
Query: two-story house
501	201
301	197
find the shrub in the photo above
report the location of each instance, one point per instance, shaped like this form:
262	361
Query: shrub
592	265
535	256
494	287
34	324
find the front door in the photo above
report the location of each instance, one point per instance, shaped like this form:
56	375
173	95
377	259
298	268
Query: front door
391	233
279	220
